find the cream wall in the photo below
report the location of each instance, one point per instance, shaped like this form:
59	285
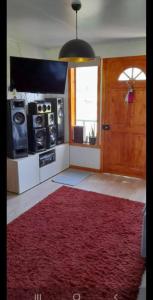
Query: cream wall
18	48
85	157
129	47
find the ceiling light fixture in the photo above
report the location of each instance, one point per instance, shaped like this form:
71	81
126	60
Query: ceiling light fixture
76	50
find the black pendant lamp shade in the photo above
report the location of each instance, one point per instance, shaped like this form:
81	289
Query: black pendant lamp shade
76	50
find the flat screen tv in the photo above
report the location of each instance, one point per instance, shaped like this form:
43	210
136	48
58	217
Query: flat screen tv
37	75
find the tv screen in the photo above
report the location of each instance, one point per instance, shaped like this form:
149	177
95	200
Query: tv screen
37	75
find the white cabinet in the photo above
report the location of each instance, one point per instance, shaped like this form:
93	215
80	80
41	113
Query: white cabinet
47	171
22	173
25	173
61	163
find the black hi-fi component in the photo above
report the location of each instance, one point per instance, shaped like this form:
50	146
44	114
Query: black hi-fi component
47	158
37	140
39	107
49	119
17	136
36	121
50	136
50	130
78	134
57	105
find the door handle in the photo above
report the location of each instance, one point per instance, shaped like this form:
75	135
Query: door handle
105	126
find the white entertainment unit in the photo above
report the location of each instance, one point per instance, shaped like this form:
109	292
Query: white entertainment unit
25	173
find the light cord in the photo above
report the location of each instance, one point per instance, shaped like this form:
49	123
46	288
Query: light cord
76	25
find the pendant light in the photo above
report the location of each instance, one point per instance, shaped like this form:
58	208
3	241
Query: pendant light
76	50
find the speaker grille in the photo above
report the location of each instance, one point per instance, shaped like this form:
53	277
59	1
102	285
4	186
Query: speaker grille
17	136
19	118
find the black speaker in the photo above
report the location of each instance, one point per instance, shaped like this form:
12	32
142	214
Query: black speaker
39	107
50	136
37	140
78	134
36	121
57	105
49	119
17	137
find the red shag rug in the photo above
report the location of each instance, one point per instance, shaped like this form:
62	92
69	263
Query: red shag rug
76	245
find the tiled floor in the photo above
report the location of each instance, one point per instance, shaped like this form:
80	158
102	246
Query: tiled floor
116	185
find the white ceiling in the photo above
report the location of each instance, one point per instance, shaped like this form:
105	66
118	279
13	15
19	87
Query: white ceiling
51	23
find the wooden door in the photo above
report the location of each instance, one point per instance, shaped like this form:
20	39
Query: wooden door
124	144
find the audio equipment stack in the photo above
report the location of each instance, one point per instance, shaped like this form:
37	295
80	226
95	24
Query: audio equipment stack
57	105
39	107
41	126
50	130
41	129
17	136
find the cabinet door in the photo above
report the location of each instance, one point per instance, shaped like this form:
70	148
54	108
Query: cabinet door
62	157
12	176
28	172
47	171
61	163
